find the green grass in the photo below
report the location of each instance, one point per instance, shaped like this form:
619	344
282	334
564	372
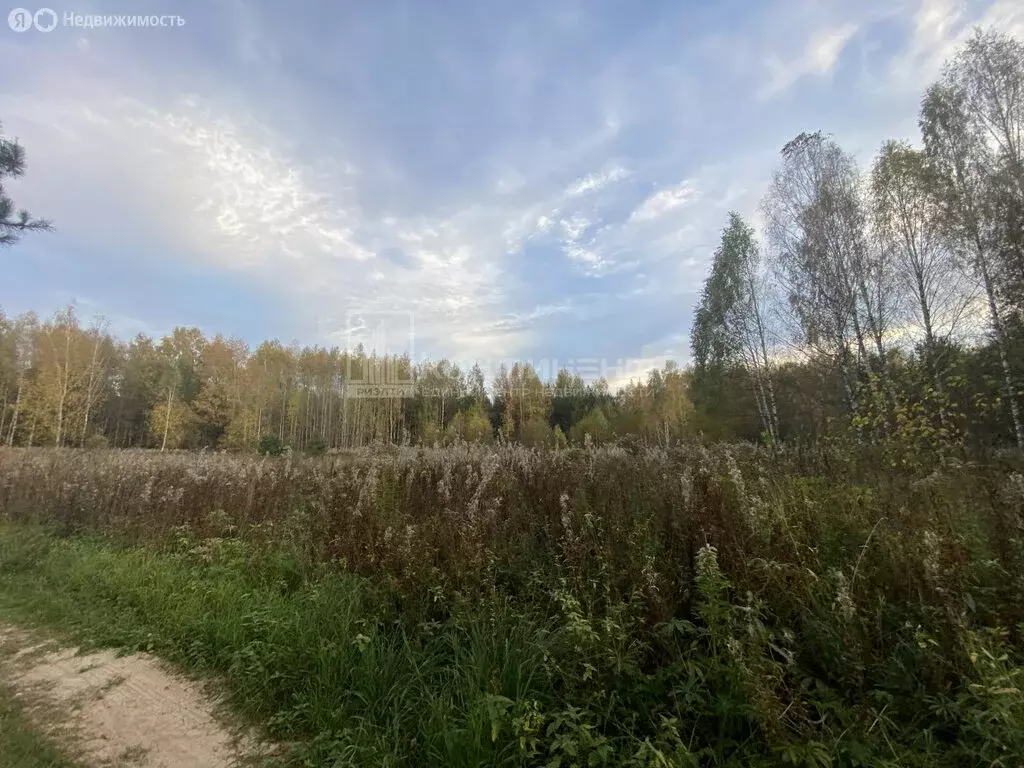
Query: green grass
335	668
721	607
317	657
21	743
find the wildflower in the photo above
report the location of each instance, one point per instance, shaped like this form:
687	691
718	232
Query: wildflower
563	502
843	602
735	475
931	560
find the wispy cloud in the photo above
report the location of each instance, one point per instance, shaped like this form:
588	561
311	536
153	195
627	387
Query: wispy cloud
596	181
537	176
818	59
666	200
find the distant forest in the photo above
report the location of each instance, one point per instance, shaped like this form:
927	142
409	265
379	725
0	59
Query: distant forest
883	303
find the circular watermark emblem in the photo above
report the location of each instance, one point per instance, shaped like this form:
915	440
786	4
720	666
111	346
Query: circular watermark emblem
45	19
20	20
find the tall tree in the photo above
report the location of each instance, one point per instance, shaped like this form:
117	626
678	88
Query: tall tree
660	409
219	397
142	369
837	285
988	72
729	328
13	222
97	371
171	418
527	398
19	354
962	158
907	223
58	390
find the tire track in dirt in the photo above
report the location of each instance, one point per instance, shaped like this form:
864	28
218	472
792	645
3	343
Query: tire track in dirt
119	711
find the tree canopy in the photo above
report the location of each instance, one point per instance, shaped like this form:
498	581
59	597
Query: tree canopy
14	222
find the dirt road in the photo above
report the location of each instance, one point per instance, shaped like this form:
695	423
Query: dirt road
106	710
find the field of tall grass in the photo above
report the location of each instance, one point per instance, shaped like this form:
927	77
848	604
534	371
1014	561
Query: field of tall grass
614	605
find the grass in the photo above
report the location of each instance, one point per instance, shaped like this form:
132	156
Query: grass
702	607
22	745
322	658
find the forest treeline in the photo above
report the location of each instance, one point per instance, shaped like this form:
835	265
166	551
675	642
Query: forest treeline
884	303
897	292
71	385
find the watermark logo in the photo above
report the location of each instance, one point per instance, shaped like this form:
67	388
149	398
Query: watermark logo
46	20
19	20
22	19
379	346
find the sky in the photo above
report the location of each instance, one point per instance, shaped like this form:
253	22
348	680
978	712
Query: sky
539	180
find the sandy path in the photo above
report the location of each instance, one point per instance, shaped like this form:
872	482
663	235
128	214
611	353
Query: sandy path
117	711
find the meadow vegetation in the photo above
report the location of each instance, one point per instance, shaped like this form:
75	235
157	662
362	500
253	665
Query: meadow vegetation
806	548
21	743
720	605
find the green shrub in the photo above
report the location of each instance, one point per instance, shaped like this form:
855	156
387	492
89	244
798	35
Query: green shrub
270	445
686	606
315	446
594	426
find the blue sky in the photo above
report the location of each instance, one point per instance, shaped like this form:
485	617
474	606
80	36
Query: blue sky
533	180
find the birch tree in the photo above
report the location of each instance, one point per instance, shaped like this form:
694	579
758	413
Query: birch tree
907	221
19	354
989	73
809	221
963	162
57	393
101	345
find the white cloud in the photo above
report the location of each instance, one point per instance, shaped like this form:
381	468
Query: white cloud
818	58
636	370
666	200
673	347
578	248
575	226
510	181
595	182
1006	16
212	186
222	192
936	28
587	258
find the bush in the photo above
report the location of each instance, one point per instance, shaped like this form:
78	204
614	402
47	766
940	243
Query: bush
96	441
536	433
691	605
595	424
270	445
478	426
315	446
